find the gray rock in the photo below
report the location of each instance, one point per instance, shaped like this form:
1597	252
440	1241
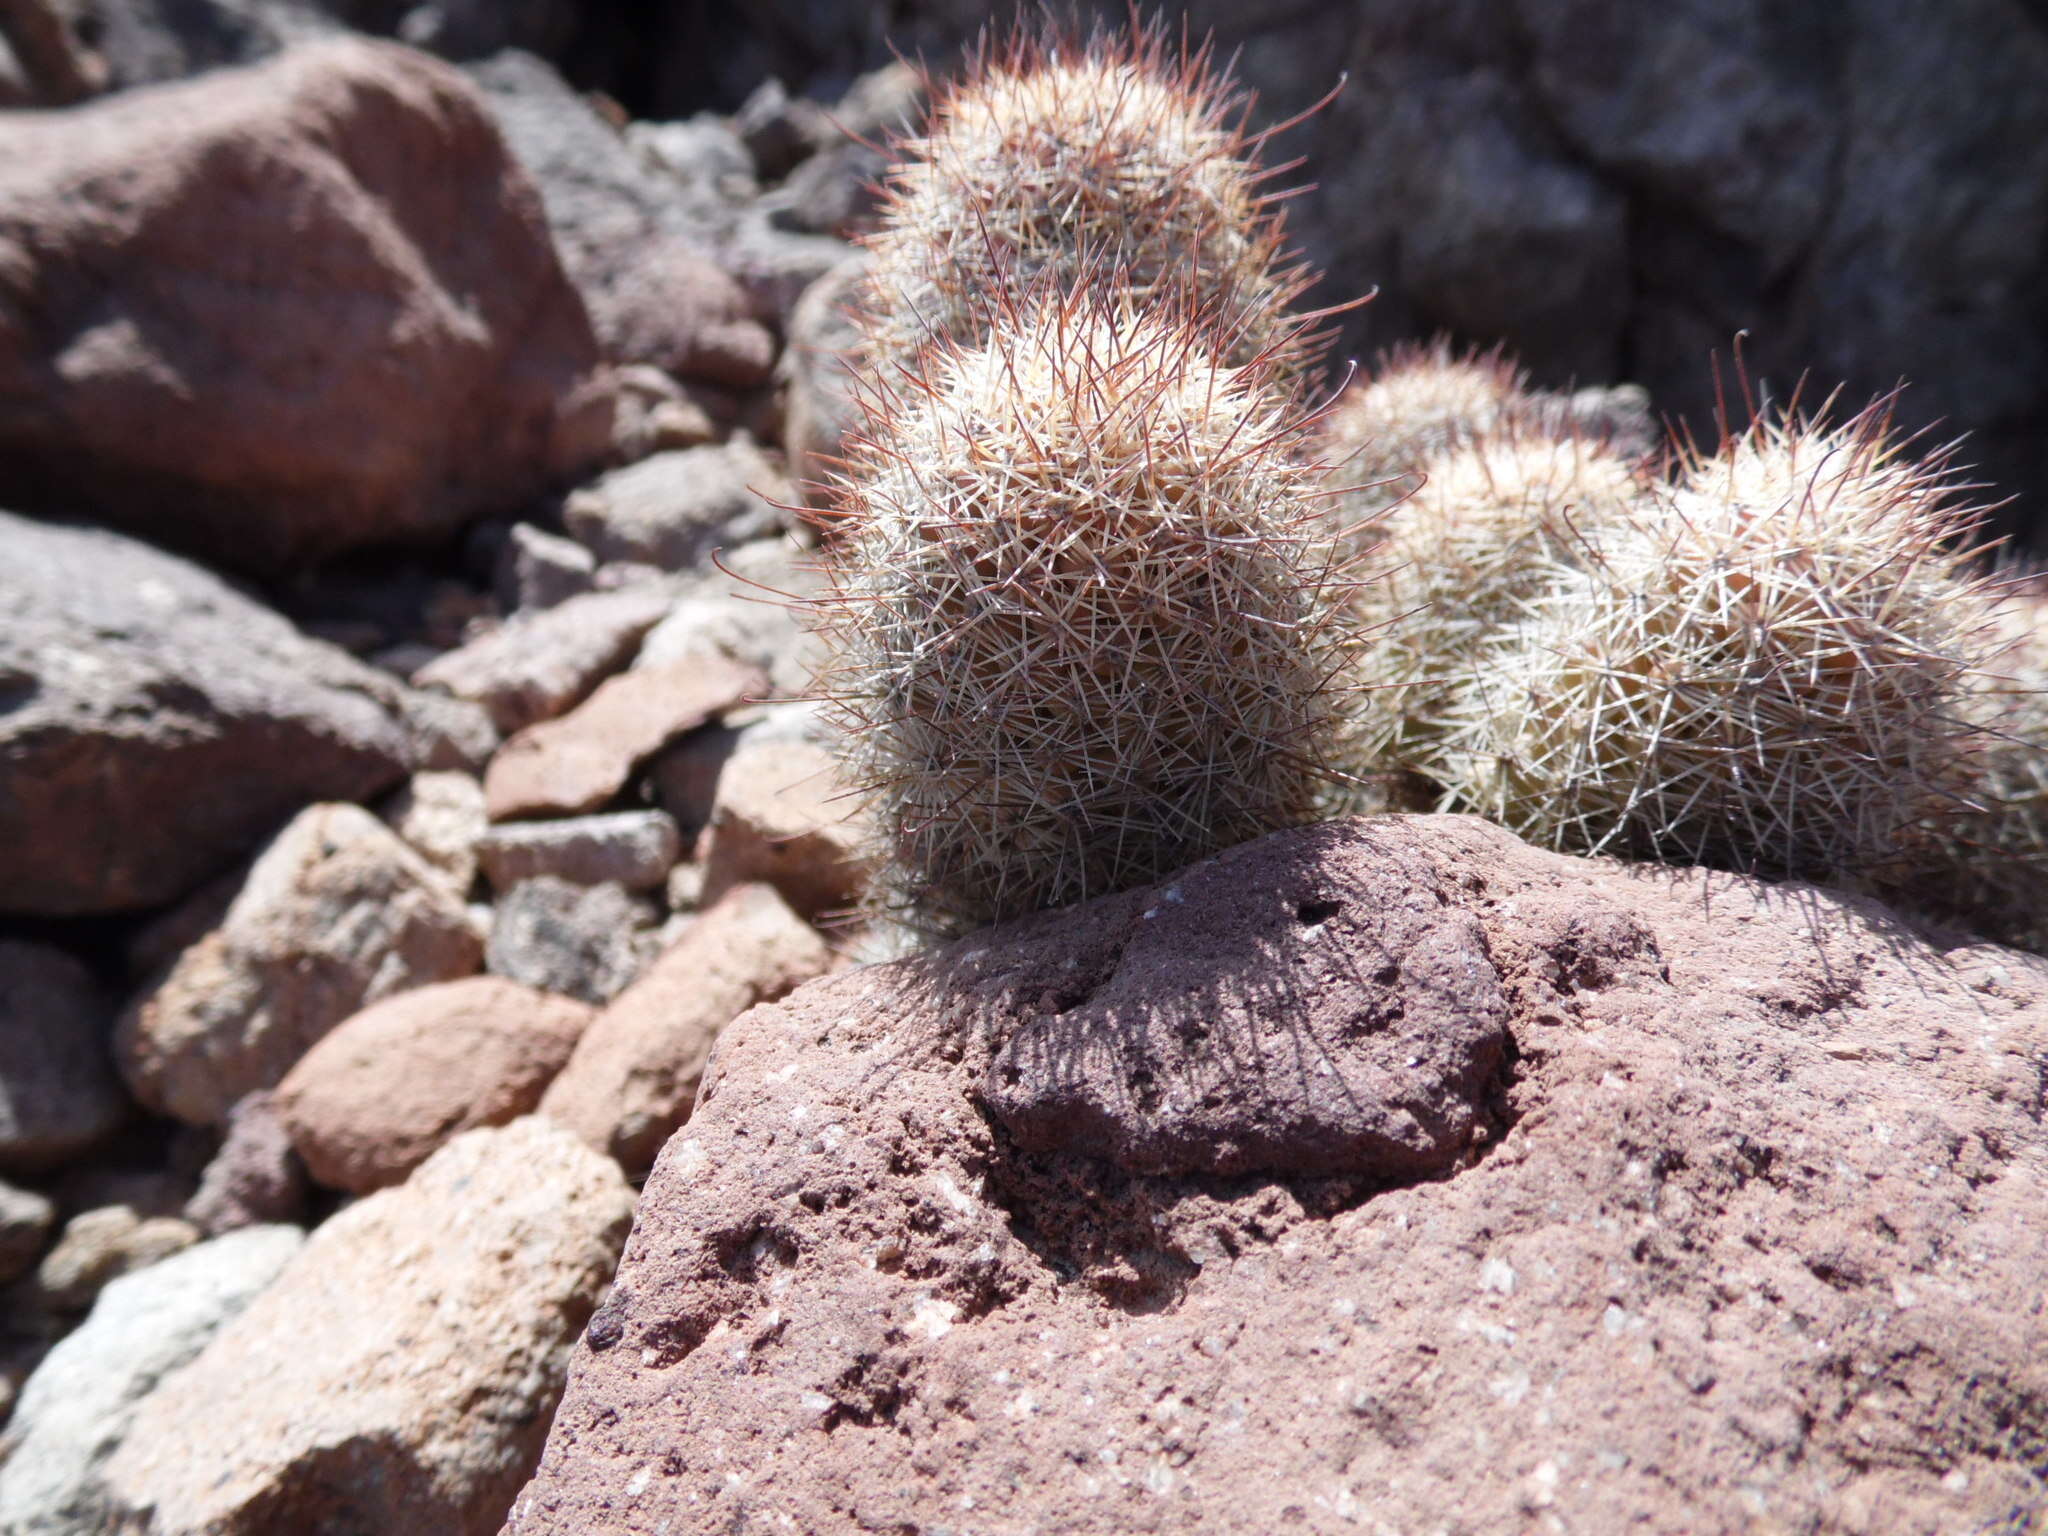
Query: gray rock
146	42
635	849
585	941
475	29
25	1221
401	1372
538	569
336	914
255	1179
155	723
78	1404
535	665
58	1092
674	509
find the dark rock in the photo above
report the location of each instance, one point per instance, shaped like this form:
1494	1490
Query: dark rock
58	1092
170	382
255	1179
155	723
583	941
779	130
1760	1169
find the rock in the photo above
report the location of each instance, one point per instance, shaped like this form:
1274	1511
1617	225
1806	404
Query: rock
818	372
101	1245
748	611
780	130
336	914
675	509
639	244
538	569
581	761
77	1406
389	1087
1407	1170
449	735
401	1371
583	941
634	1075
535	665
146	42
475	29
25	1222
255	1179
187	394
835	192
441	817
782	814
633	849
56	66
652	415
58	1092
775	265
155	723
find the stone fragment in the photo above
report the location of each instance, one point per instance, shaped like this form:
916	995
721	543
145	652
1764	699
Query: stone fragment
401	1371
101	1245
633	1077
747	611
440	816
255	1179
78	1404
782	814
58	1092
581	761
634	849
336	914
538	569
25	1222
389	1087
674	509
535	665
582	941
186	394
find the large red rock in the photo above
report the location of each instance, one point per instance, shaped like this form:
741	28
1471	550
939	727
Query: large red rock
1386	1175
375	354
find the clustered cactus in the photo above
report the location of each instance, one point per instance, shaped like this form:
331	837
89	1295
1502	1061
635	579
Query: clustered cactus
1107	596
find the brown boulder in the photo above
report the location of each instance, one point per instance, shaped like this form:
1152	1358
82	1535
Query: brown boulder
375	355
336	914
399	1373
390	1086
1745	1230
633	1078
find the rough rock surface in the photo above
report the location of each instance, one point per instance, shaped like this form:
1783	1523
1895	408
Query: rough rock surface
674	509
400	1373
583	941
336	914
635	1073
101	1245
155	723
635	849
1412	1179
25	1221
538	664
377	354
78	1404
581	761
58	1092
255	1179
782	814
441	816
392	1085
749	615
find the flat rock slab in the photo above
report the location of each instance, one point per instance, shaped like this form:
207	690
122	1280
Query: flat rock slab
1754	1241
581	761
157	723
399	1374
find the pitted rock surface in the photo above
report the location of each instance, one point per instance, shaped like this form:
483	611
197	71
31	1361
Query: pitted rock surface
1758	1244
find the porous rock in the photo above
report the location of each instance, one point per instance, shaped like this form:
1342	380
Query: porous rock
581	761
255	1178
635	849
401	1371
58	1092
537	664
674	509
155	723
377	355
336	913
390	1086
634	1075
1554	1193
80	1400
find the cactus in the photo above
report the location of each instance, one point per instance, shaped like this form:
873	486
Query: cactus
1767	669
1086	625
1461	560
1120	154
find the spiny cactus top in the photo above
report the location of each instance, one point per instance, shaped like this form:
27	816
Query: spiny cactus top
1125	153
1086	625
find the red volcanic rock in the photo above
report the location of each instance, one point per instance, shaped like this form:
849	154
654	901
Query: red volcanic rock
1384	1175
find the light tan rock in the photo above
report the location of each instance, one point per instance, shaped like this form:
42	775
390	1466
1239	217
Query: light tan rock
441	816
782	814
393	1084
400	1373
634	1075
